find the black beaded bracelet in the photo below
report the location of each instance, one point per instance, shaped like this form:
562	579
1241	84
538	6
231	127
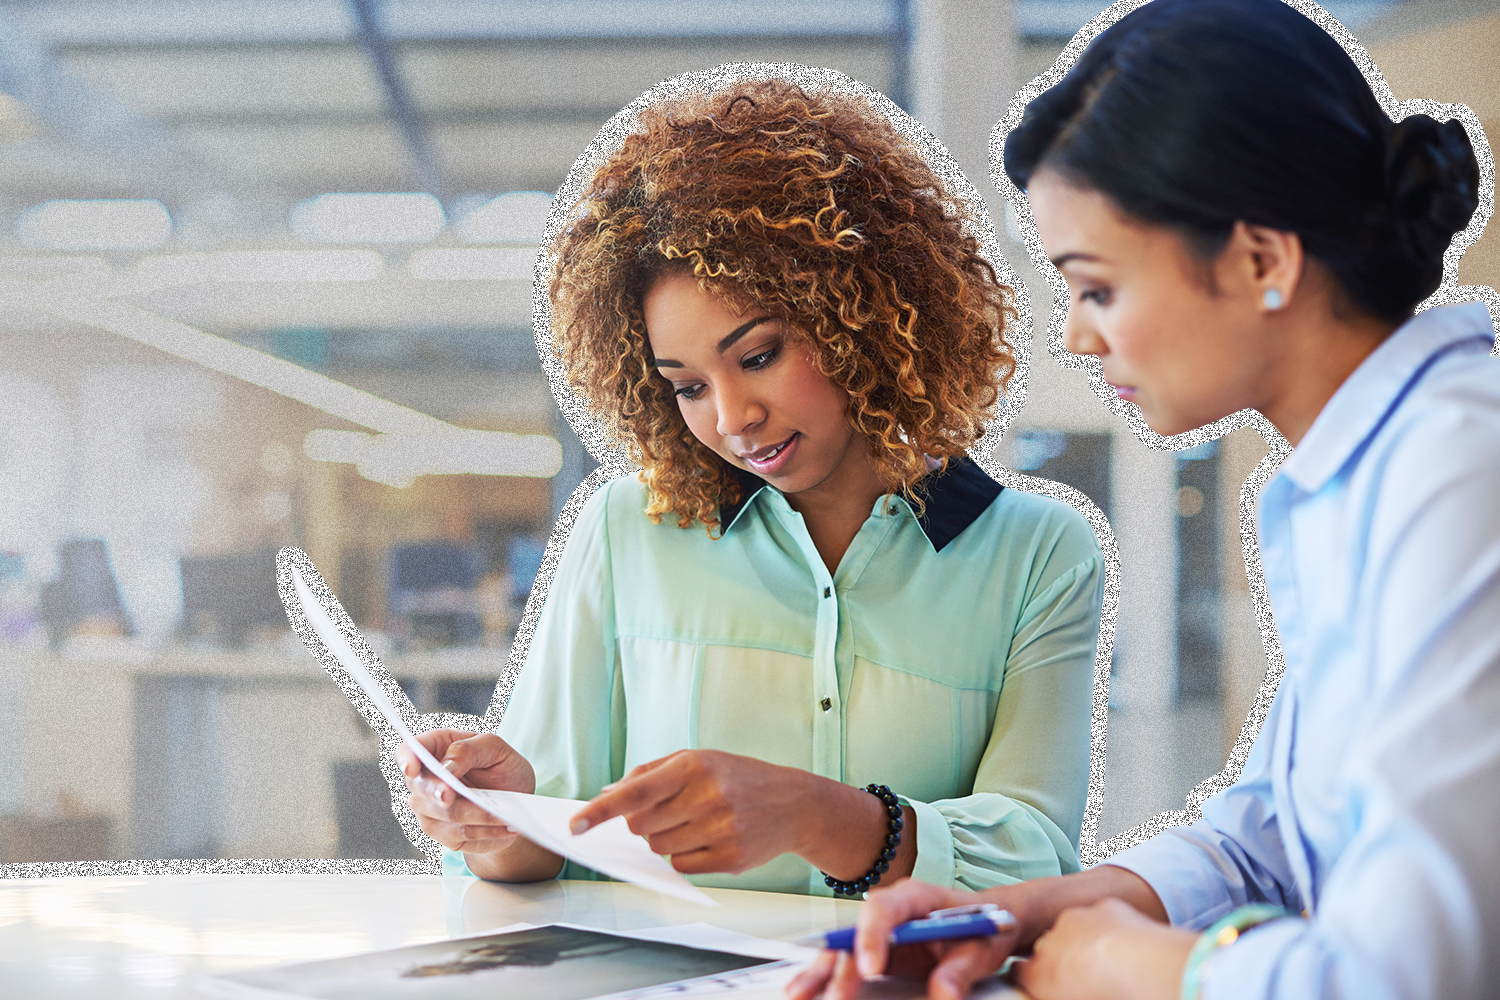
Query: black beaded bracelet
882	863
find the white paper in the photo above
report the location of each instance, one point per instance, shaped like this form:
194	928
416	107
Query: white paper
609	848
759	982
711	938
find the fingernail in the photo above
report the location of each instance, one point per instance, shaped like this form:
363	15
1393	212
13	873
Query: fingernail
449	764
866	964
609	786
578	825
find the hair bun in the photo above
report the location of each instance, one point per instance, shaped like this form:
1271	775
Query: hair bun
1431	177
1431	191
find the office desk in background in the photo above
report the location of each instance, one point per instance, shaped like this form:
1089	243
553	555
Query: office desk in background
187	752
149	937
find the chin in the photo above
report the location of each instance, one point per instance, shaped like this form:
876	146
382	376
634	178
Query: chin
1173	424
1165	424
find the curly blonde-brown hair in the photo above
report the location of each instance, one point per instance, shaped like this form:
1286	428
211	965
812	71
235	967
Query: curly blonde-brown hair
814	209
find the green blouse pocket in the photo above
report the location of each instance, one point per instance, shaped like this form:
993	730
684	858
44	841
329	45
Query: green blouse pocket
757	702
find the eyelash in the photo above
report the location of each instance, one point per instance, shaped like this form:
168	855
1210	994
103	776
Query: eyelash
756	363
762	360
1099	296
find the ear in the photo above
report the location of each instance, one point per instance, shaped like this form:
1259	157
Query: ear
1263	264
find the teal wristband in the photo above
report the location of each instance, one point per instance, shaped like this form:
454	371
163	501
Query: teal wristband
1222	934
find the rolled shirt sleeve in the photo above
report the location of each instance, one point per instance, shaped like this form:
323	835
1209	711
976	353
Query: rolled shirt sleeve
1232	857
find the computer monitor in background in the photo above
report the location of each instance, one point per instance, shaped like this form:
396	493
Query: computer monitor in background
433	592
83	597
230	597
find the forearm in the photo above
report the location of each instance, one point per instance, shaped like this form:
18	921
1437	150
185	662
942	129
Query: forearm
1037	903
522	861
844	829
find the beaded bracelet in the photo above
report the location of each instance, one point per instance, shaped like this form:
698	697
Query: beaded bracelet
1221	935
882	863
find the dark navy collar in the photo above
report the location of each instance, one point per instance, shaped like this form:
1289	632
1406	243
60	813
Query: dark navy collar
954	499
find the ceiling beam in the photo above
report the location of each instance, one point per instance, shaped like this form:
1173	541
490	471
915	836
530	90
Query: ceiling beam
240	22
399	105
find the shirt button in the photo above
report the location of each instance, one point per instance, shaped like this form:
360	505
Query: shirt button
827	704
827	591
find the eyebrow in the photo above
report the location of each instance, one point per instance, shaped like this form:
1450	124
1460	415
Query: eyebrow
725	343
1058	262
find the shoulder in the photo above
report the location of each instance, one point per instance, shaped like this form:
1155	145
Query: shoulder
1030	545
1446	427
1049	528
614	495
970	507
616	512
604	531
605	514
1430	478
1452	402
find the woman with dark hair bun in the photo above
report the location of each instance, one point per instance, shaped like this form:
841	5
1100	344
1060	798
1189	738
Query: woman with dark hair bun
1241	226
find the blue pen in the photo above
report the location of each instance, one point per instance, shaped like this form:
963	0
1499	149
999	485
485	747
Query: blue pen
979	920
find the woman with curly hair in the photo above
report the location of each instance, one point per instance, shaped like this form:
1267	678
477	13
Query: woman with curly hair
809	593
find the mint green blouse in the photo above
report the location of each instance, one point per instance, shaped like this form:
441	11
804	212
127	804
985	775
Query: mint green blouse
950	657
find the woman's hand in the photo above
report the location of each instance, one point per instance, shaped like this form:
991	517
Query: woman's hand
711	811
480	760
1094	902
1107	949
951	967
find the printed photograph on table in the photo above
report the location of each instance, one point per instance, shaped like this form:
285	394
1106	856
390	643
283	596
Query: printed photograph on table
542	963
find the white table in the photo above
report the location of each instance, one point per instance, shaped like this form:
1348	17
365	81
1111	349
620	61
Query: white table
138	937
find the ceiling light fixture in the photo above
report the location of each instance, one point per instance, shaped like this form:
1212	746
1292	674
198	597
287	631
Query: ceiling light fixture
368	218
514	217
167	270
95	224
472	264
397	459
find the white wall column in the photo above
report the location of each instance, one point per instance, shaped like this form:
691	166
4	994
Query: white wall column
1145	523
962	75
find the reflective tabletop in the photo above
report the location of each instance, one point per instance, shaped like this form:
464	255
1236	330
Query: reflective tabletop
160	936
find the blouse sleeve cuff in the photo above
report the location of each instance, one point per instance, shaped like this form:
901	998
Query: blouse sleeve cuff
454	864
934	845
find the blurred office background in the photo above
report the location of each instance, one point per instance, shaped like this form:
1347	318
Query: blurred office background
254	255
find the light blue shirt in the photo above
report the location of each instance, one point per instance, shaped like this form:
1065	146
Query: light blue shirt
1371	797
949	656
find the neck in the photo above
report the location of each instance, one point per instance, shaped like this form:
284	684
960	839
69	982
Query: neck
835	509
1317	354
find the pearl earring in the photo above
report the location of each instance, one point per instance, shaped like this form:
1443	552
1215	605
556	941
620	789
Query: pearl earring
1272	299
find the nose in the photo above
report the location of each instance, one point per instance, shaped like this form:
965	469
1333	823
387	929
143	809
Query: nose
1080	336
738	409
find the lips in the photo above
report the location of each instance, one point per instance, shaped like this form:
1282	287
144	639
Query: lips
1125	392
771	458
